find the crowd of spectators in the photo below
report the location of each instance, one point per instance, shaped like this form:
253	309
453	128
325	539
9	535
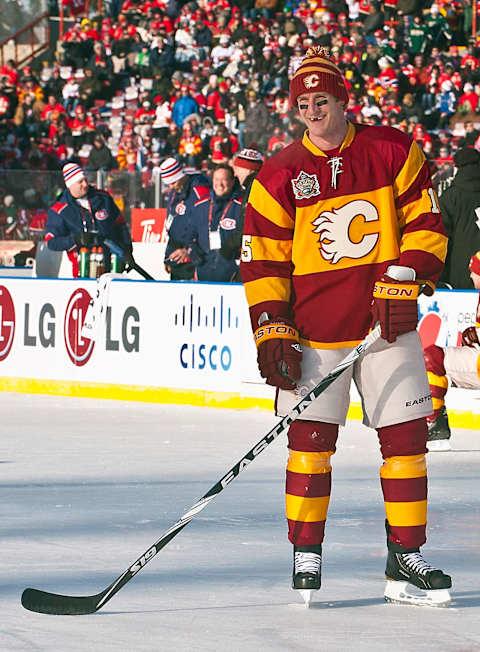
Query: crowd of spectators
199	80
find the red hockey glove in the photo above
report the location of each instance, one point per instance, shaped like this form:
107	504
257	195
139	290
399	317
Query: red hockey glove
395	305
278	353
470	338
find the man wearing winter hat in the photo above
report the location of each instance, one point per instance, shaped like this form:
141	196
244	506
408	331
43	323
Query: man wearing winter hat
457	365
459	207
184	191
342	231
83	217
246	165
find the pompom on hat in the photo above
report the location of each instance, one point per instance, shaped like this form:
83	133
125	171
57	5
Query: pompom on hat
474	265
317	73
171	170
72	173
248	158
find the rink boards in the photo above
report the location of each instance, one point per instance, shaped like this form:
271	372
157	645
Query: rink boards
168	342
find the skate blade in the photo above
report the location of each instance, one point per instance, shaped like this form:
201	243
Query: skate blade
399	593
307	595
438	445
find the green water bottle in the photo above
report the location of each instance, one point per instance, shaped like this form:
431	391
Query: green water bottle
115	263
84	263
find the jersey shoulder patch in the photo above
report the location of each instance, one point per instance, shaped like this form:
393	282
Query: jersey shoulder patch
59	206
201	192
202	200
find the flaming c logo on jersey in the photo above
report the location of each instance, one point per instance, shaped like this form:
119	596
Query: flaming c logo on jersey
333	228
7	322
79	348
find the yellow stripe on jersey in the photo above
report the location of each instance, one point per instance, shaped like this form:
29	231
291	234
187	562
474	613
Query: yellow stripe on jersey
351	226
409	172
307	143
408	514
263	202
329	345
270	249
309	462
276	289
404	466
411	211
307	510
433	243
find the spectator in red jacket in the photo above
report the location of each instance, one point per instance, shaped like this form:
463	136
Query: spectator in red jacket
222	146
190	146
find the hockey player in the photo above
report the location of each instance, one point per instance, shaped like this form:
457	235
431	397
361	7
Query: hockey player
342	230
459	364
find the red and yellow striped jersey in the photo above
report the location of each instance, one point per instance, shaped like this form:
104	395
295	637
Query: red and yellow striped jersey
321	227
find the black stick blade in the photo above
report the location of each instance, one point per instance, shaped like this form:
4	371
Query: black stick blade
60	605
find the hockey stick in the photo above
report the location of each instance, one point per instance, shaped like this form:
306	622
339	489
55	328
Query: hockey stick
53	603
131	264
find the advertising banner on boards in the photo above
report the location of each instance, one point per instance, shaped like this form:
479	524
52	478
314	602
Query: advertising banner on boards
155	334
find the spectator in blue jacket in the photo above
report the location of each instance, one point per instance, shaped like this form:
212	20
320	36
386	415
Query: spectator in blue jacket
84	216
184	106
446	104
184	192
216	219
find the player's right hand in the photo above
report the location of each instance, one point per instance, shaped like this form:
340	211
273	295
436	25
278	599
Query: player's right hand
279	353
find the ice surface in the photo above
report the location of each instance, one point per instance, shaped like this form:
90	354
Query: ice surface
88	485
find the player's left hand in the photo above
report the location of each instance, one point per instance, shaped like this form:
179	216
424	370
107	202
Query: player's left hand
470	338
394	305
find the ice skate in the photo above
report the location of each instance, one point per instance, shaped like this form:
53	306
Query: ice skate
307	571
409	570
439	433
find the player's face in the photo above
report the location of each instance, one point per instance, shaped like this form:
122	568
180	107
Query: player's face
79	188
324	116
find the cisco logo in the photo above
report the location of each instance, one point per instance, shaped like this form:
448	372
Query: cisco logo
212	322
203	355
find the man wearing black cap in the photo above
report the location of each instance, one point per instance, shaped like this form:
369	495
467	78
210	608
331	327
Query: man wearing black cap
100	156
460	208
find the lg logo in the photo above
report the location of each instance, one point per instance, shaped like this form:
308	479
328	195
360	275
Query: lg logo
7	322
122	331
79	349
